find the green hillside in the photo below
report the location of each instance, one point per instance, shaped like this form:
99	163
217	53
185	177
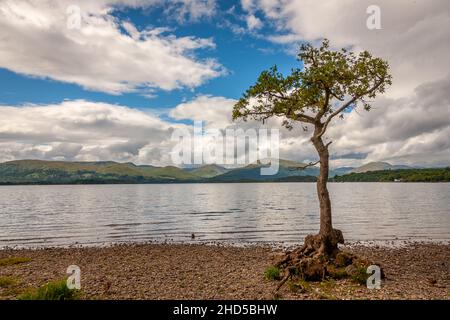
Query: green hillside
377	166
60	172
209	171
399	175
252	172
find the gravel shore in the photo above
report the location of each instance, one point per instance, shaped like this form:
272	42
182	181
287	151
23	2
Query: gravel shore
181	271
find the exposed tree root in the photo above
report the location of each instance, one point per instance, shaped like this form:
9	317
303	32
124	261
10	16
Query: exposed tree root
320	258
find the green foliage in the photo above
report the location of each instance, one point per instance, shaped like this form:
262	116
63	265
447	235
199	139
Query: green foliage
318	90
272	273
56	290
400	175
360	276
13	260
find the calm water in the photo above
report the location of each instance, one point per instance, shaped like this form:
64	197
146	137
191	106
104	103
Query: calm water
264	212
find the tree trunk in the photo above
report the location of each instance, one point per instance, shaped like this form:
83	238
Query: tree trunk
312	261
328	237
322	191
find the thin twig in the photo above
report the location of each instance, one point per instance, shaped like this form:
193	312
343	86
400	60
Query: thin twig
311	164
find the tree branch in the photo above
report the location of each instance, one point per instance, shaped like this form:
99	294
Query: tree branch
346	105
324	108
268	114
311	164
278	96
303	117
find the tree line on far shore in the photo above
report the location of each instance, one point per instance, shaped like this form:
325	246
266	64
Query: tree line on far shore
400	175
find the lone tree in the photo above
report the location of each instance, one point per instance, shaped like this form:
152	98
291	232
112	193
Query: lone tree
330	84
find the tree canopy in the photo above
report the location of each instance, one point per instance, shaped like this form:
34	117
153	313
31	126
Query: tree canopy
329	83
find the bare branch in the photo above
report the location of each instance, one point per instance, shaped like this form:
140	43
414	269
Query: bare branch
268	114
311	164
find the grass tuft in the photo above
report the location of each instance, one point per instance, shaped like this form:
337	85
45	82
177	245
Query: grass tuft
6	282
13	260
360	276
272	273
55	290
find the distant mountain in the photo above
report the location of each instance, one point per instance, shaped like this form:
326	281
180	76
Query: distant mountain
209	171
377	166
62	172
340	171
252	172
59	172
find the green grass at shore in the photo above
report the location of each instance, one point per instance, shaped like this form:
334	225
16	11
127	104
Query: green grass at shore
54	290
13	260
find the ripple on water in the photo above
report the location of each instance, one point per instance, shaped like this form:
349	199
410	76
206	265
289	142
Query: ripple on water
239	213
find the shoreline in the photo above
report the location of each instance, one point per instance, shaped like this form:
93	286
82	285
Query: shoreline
416	270
207	182
274	245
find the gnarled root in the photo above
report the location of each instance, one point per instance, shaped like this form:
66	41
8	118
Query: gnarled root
320	258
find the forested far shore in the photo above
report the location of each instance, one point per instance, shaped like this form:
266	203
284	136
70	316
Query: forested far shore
399	175
54	173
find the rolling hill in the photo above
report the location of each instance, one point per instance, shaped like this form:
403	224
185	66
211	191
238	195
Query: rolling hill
209	171
252	172
102	172
377	166
60	172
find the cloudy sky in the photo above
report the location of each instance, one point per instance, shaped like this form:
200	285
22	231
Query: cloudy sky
112	79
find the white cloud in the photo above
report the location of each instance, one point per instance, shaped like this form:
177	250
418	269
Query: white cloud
214	111
414	37
37	42
253	22
410	123
83	130
80	130
411	130
191	10
247	5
